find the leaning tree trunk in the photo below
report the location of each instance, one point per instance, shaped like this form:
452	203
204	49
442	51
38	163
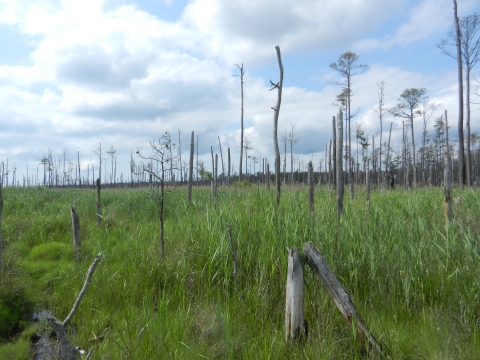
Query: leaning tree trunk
276	113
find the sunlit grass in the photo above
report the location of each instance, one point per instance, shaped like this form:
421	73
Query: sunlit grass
413	279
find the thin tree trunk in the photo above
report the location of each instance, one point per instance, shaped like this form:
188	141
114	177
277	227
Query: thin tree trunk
311	187
221	157
334	153
190	174
448	188
75	227
461	148
99	209
228	178
468	160
241	121
339	164
276	113
388	149
1	236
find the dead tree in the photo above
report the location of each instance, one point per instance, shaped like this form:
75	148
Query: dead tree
296	326
1	238
67	351
448	187
339	164
162	156
276	113
99	208
311	187
75	227
241	119
190	174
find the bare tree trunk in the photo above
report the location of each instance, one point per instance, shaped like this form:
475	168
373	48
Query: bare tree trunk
339	164
241	120
367	180
267	178
190	172
228	177
311	187
388	149
75	227
180	155
461	148
448	188
276	113
468	160
99	209
221	157
334	153
1	236
295	325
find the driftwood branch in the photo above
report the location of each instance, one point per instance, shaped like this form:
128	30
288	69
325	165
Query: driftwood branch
341	297
67	351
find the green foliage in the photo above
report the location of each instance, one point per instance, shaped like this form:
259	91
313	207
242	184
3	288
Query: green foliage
413	279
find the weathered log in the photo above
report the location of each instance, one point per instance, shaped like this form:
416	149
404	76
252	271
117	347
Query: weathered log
341	297
296	326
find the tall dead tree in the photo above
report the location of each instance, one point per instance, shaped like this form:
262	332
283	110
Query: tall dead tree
292	140
241	122
276	113
311	186
407	108
380	110
347	66
190	172
461	147
164	160
468	27
1	238
339	164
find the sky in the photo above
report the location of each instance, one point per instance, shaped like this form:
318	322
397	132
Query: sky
74	74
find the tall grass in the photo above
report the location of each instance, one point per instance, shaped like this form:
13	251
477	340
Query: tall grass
413	279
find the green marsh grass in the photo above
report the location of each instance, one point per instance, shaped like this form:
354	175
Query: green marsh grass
414	280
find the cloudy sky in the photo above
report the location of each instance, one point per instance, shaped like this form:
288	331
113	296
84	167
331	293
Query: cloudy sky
122	72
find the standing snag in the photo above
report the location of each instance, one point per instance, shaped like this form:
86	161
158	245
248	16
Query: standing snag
296	326
75	227
161	162
276	113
